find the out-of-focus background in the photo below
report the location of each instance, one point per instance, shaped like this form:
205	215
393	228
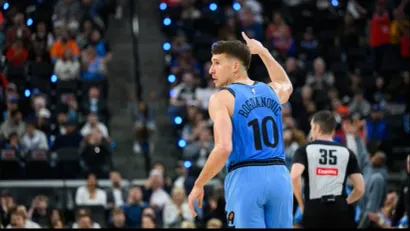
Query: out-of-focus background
104	117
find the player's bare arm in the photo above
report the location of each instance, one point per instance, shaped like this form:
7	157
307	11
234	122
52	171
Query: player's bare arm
219	113
296	175
358	188
280	80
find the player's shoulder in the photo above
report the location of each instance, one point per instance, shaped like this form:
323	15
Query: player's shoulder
224	96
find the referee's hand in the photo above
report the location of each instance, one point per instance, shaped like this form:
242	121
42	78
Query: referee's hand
196	193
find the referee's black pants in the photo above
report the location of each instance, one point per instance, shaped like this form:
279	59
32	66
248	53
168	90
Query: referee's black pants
318	214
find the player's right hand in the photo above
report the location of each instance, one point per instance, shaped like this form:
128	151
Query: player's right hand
255	47
196	193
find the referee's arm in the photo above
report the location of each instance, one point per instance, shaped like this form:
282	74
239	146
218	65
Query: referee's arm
355	175
298	167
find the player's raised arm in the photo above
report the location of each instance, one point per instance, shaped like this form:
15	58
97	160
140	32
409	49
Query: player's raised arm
219	114
280	80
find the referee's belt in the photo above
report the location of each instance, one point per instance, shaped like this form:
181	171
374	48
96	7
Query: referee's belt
265	162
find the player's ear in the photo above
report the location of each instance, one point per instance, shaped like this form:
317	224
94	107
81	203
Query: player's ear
236	65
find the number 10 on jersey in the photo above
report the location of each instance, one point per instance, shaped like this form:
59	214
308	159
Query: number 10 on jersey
260	132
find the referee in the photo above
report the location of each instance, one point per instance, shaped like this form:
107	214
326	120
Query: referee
325	166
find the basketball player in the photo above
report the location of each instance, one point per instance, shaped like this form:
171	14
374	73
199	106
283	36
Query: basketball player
248	138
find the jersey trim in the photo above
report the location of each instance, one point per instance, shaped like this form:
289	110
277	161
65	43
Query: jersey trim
230	90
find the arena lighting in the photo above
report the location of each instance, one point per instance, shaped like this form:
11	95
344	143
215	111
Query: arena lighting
181	143
178	120
166	46
167	21
335	3
213	7
236	6
187	164
163	6
171	78
27	93
6	6
53	78
29	22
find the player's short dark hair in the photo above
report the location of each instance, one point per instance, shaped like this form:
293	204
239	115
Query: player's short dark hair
236	49
326	121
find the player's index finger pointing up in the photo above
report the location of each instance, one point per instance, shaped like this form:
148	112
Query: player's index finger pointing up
245	36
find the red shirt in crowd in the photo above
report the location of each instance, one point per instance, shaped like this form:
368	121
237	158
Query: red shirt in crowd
16	57
379	29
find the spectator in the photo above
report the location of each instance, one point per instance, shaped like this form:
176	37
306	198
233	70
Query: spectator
154	191
214	224
349	32
12	124
376	126
87	222
148	222
13	142
188	225
67	10
118	219
359	104
94	103
28	224
56	219
43	36
309	46
61	45
133	209
320	79
101	46
279	35
18	31
17	220
145	126
385	213
117	194
379	34
71	137
202	95
67	68
39	211
199	151
33	139
59	128
177	210
17	55
96	154
82	37
6	209
93	123
90	194
93	67
249	24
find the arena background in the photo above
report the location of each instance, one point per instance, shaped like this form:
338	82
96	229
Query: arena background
120	88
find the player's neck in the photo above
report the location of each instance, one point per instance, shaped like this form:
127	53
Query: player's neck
242	78
325	138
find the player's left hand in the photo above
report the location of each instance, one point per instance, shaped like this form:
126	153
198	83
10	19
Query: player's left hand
196	193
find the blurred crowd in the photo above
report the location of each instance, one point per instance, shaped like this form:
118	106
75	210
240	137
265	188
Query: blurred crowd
54	88
159	203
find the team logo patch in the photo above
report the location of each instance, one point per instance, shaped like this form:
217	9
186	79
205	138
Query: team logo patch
231	217
327	171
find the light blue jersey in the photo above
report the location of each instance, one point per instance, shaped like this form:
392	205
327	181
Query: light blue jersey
257	123
258	189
